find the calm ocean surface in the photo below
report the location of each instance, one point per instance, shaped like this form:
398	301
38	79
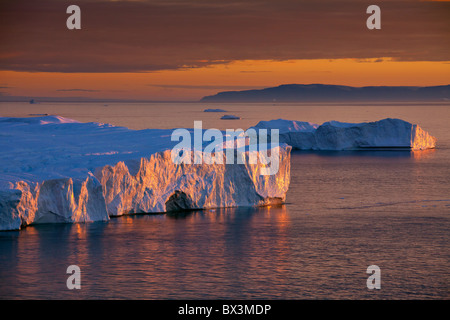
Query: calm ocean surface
344	211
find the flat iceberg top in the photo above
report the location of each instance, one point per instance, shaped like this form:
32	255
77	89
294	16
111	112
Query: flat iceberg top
51	147
287	125
37	120
340	124
46	147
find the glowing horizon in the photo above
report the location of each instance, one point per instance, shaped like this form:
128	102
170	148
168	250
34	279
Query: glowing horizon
192	84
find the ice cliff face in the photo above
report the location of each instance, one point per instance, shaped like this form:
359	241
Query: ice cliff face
155	184
51	201
334	135
55	169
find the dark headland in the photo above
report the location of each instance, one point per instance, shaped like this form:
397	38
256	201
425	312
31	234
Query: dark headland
329	93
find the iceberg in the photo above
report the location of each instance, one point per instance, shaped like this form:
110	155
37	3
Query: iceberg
335	135
214	110
230	117
58	170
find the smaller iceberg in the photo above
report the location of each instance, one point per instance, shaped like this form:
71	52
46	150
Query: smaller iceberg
335	135
230	117
214	110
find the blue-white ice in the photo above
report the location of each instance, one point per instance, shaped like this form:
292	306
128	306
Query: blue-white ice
335	135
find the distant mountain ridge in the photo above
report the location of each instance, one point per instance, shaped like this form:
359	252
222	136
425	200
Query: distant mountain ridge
330	93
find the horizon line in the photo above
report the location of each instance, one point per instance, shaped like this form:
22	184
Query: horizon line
8	98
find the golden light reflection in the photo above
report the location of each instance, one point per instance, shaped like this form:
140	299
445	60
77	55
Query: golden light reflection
423	154
279	215
80	230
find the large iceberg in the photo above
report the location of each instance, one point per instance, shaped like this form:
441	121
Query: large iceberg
55	169
335	135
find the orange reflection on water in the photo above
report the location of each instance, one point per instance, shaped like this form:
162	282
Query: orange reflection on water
190	252
279	215
80	230
423	154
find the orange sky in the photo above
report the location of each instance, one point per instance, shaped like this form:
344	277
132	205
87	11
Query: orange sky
186	49
194	83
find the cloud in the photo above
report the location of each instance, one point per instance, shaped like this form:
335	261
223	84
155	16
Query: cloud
252	71
203	87
145	36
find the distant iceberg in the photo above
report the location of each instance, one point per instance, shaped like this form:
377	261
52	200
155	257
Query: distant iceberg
54	169
214	110
335	135
230	117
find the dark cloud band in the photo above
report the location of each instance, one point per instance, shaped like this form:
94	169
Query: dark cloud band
144	36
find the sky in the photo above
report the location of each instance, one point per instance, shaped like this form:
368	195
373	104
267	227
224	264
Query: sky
182	50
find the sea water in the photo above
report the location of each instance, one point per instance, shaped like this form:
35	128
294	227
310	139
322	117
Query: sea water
345	211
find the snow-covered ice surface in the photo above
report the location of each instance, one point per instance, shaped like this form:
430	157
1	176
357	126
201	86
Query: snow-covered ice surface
335	135
55	169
